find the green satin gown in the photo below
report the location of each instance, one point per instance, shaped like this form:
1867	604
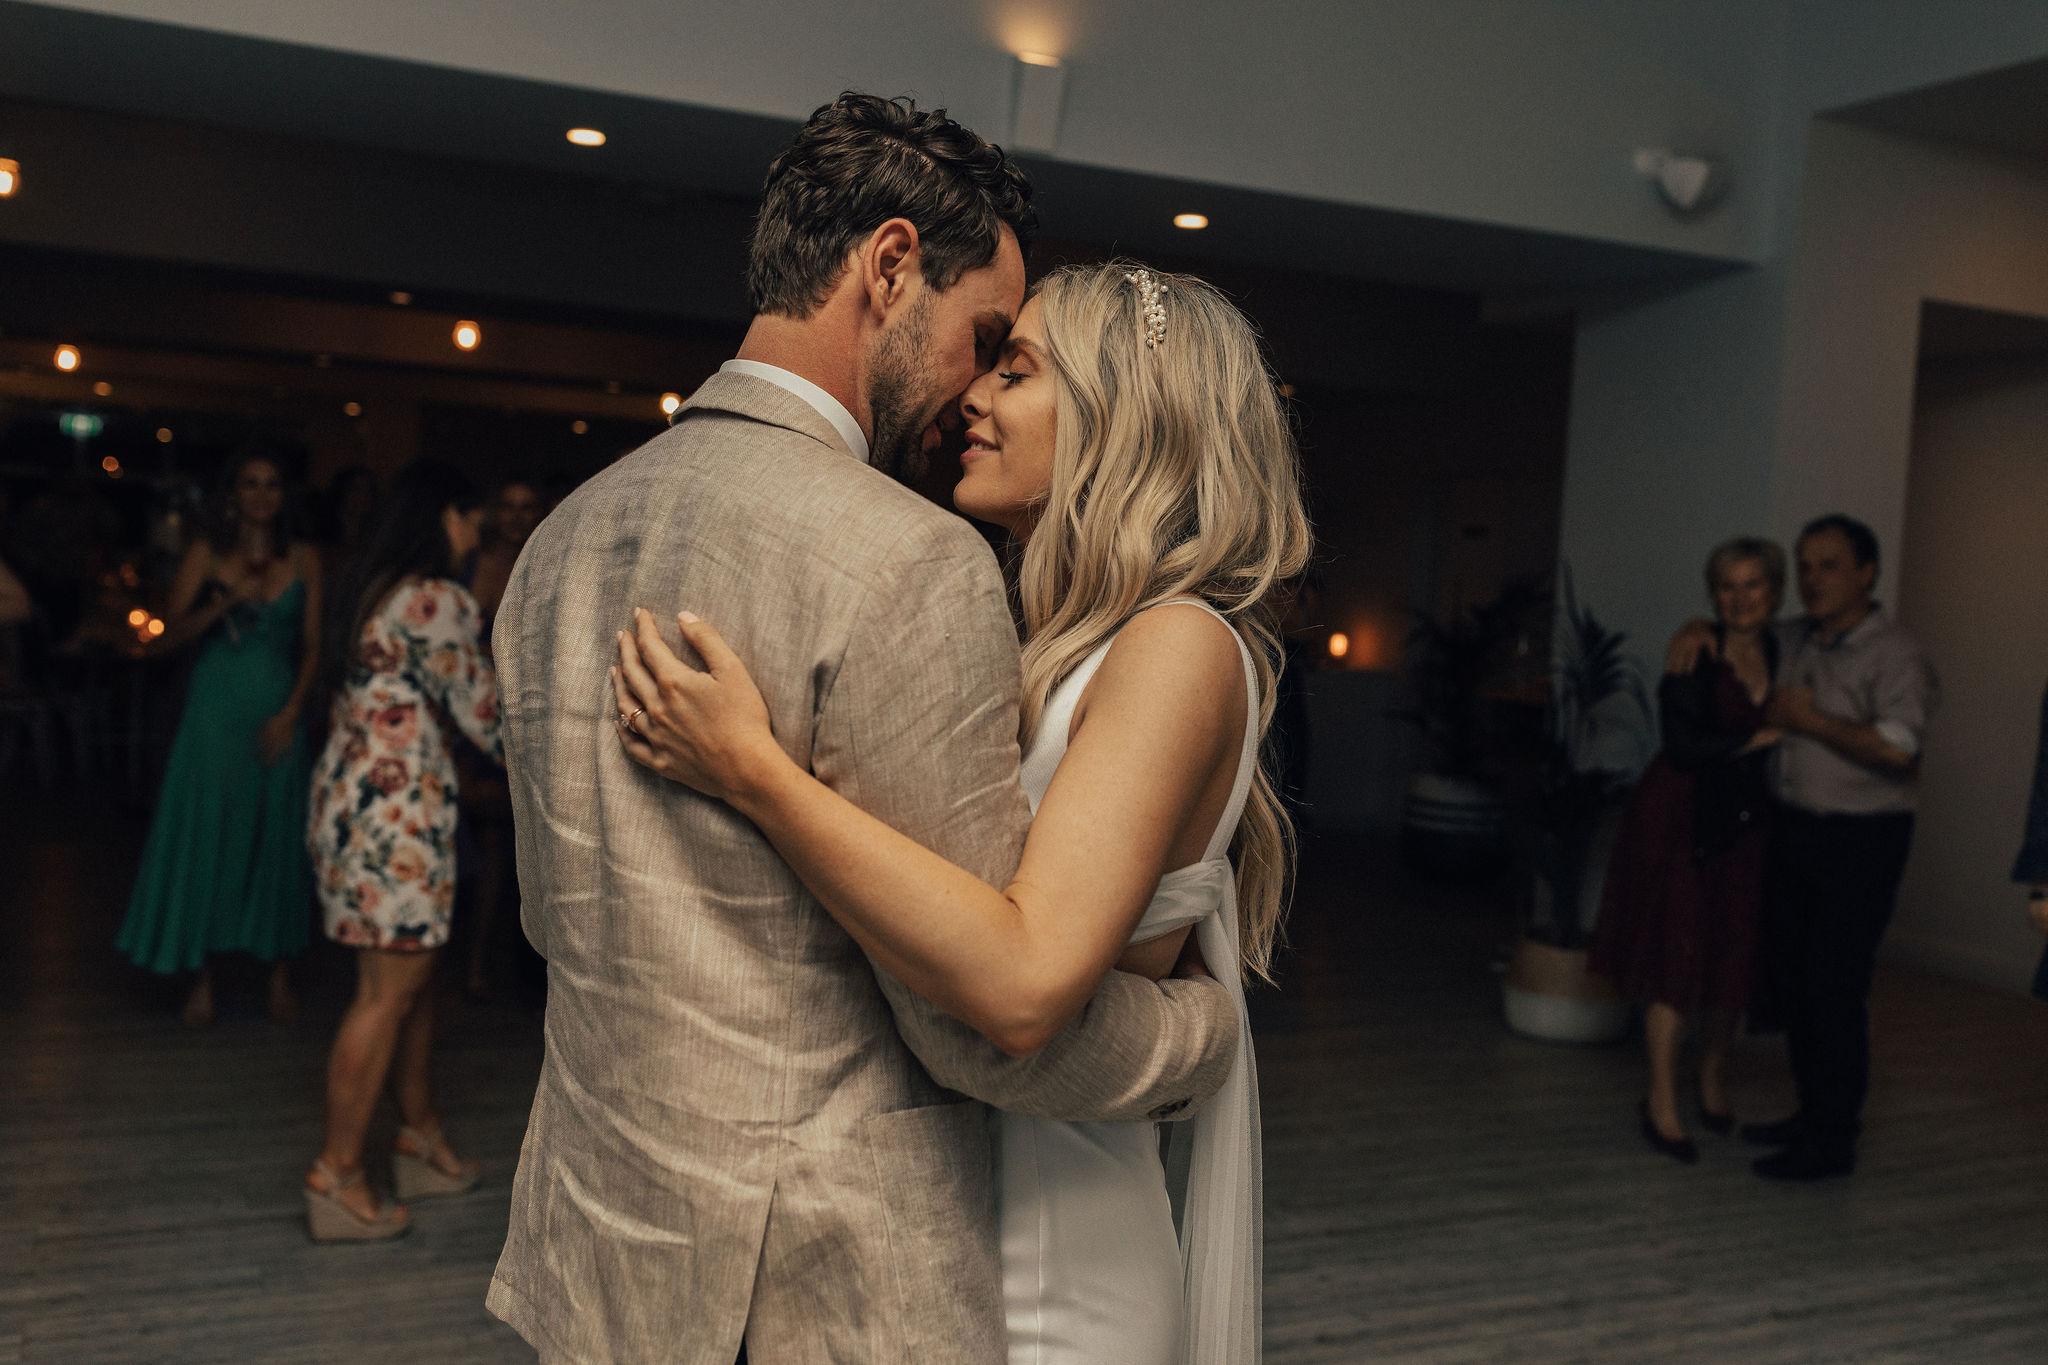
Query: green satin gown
225	867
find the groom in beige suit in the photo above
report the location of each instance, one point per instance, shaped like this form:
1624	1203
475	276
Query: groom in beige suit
741	1133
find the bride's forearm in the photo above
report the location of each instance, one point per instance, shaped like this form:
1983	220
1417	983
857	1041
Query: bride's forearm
951	937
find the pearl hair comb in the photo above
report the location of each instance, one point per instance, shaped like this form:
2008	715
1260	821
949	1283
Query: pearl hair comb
1151	304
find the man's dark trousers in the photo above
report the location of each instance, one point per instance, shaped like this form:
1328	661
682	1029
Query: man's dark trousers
1831	887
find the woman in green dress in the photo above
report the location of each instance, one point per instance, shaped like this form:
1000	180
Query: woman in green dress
225	868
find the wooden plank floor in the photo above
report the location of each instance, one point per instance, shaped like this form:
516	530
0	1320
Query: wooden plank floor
1437	1191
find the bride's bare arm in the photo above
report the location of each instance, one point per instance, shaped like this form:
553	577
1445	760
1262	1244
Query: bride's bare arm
1161	720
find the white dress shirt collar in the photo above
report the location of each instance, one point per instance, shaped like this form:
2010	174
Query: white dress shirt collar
829	408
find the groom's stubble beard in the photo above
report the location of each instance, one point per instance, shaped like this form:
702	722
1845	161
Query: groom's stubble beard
898	401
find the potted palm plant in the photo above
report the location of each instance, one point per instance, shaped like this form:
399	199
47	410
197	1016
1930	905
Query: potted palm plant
1598	721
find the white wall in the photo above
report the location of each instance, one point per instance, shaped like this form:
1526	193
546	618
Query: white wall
1847	51
1885	223
1978	494
1674	405
1521	113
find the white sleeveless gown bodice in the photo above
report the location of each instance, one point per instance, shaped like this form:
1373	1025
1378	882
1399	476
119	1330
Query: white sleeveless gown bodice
1093	1270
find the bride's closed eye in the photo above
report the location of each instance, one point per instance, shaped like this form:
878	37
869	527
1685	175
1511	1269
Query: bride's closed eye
1009	376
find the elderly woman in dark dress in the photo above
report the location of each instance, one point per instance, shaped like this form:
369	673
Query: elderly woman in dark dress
1678	920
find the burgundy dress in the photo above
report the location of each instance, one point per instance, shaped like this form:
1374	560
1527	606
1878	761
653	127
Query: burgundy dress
1678	916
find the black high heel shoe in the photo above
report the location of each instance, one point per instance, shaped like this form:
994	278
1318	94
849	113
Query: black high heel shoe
1678	1149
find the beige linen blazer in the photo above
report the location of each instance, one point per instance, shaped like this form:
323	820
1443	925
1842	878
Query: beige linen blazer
737	1128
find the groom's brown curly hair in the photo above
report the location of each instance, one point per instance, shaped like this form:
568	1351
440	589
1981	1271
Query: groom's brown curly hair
862	160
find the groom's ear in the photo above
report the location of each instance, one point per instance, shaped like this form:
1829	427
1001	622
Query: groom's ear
889	263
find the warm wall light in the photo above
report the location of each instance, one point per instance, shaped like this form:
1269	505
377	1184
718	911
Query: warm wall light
467	335
1689	184
155	627
352	409
586	137
1340	645
102	389
400	297
138	618
111	465
67	358
1193	222
10	177
669	403
163	435
579	426
1035	106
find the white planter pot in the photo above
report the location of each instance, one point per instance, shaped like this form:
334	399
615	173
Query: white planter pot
1550	995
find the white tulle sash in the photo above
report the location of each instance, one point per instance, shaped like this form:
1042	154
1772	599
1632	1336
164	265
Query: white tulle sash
1221	1225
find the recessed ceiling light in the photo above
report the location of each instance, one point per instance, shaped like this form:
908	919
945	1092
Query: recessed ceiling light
467	335
352	409
163	435
586	137
67	358
669	403
10	177
579	426
1191	221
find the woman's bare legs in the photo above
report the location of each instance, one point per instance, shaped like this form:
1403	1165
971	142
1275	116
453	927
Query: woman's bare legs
412	1084
388	986
198	1011
1663	1033
199	1007
284	1002
1717	1036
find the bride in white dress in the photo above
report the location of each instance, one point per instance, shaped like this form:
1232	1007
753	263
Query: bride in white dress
1131	441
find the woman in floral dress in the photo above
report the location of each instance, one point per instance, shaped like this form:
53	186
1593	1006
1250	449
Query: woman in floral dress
408	667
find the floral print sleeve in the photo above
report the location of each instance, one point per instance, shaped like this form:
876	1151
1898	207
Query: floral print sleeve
445	659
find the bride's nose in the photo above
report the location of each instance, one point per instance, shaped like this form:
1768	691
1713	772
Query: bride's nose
974	402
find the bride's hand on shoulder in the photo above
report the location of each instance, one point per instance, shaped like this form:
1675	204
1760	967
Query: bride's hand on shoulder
707	728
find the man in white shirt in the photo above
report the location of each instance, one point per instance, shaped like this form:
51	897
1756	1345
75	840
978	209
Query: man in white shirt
1853	697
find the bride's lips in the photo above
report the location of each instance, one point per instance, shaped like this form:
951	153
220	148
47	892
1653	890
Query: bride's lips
977	447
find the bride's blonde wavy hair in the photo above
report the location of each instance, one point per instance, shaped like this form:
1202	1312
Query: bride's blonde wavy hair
1174	475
